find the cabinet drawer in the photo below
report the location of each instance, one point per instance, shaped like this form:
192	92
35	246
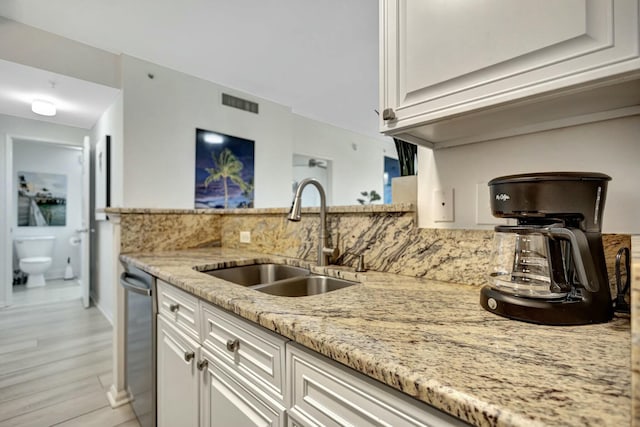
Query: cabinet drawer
323	392
179	308
250	351
228	401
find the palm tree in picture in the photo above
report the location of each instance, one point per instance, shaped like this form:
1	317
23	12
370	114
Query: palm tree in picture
225	167
247	192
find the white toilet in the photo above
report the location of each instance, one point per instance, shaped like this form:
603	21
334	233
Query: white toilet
34	253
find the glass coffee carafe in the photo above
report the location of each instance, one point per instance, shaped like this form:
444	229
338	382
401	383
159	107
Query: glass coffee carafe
528	263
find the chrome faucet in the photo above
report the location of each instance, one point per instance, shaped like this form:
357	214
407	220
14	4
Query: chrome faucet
324	252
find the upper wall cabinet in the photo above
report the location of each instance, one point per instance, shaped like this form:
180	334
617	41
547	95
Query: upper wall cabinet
456	72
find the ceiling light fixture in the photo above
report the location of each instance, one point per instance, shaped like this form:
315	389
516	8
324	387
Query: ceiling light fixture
43	108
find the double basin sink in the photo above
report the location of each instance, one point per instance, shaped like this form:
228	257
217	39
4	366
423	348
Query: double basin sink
279	279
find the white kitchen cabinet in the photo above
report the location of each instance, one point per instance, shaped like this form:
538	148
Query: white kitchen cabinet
323	392
459	72
177	379
228	401
232	376
243	375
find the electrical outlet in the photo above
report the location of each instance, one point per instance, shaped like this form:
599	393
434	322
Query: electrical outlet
245	237
442	205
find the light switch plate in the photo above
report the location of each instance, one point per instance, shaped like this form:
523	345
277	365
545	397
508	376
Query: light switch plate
245	237
442	205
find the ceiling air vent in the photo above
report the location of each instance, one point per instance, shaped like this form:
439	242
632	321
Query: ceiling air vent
242	104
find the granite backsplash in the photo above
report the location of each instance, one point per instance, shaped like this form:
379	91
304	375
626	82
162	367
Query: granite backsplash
387	237
157	231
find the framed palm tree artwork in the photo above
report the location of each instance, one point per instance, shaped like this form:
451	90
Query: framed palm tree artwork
224	171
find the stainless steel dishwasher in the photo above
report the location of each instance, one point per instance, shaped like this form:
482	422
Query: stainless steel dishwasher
141	342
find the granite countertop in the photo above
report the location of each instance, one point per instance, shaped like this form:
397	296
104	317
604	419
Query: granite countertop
372	208
433	341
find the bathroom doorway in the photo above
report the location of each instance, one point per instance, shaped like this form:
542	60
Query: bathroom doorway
47	208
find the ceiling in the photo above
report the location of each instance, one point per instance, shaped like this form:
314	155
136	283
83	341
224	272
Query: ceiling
318	57
79	103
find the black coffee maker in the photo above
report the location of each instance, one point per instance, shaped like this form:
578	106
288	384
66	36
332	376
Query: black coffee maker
550	267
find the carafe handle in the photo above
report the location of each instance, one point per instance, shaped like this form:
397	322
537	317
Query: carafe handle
581	255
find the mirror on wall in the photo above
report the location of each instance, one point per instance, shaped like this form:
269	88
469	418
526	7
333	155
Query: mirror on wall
345	181
391	170
312	167
352	172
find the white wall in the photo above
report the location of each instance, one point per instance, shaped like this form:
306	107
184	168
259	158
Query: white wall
161	117
611	147
102	280
61	160
13	126
162	113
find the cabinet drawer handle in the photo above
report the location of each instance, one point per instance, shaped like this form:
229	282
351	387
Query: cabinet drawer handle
174	307
233	345
202	365
188	356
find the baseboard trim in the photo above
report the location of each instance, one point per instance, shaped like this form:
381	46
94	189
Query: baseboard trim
118	398
102	310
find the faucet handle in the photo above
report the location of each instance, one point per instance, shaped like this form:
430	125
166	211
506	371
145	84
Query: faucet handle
360	266
332	252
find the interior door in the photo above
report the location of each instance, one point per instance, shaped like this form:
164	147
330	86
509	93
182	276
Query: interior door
85	230
6	279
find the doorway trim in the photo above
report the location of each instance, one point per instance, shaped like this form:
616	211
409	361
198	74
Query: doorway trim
8	210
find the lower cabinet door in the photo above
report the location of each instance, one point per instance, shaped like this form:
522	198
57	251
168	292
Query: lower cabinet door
227	400
177	377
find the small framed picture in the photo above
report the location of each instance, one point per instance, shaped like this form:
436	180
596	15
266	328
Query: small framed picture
102	176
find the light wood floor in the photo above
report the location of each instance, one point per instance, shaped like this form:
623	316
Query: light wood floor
53	291
55	367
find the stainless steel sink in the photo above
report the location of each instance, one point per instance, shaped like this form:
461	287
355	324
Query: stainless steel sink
257	274
279	279
304	286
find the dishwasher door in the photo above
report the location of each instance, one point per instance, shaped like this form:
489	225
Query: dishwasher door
141	342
